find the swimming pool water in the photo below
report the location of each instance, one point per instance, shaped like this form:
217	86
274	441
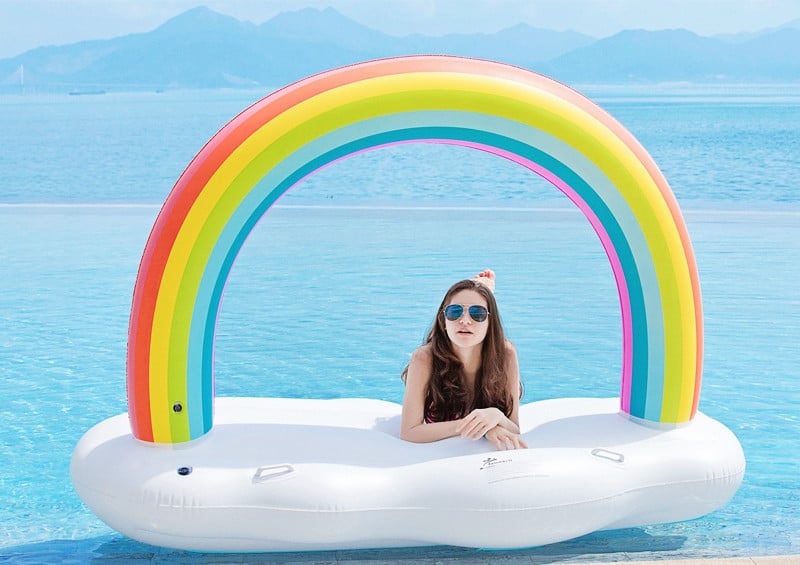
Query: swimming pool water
337	286
311	312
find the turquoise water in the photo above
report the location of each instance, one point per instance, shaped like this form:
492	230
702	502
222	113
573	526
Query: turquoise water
335	288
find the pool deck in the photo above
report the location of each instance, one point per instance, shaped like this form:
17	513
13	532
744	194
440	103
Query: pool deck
765	560
505	559
632	547
119	550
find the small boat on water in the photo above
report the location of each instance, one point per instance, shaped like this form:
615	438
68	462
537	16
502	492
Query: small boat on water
86	92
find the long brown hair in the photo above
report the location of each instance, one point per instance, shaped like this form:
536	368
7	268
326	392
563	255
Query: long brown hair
448	397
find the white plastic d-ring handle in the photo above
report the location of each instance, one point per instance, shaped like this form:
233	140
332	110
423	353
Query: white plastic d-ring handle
610	455
264	474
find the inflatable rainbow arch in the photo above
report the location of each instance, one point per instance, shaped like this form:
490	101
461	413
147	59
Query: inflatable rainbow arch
288	474
507	111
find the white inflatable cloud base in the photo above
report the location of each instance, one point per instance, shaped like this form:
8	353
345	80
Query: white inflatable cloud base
297	474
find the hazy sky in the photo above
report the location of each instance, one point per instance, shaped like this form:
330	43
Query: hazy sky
25	24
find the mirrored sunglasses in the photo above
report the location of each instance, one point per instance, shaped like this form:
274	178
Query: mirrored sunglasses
477	312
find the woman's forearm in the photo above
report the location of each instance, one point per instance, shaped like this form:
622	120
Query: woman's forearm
427	433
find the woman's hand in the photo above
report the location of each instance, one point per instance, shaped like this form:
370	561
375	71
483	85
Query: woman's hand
487	277
478	422
504	439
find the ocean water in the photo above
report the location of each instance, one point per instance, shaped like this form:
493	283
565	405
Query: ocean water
337	285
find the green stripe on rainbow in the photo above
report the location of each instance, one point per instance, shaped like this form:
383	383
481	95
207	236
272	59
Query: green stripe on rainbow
511	112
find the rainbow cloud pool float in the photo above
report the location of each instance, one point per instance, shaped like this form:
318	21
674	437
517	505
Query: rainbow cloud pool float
260	474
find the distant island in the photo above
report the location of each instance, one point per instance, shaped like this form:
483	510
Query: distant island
201	48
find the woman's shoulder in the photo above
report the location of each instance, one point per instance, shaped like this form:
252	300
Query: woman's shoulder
422	354
512	370
512	361
419	367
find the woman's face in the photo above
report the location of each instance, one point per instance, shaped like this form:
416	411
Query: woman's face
466	332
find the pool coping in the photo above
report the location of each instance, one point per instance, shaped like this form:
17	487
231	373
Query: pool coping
756	560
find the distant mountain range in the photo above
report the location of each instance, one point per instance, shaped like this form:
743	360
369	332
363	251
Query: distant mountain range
204	49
